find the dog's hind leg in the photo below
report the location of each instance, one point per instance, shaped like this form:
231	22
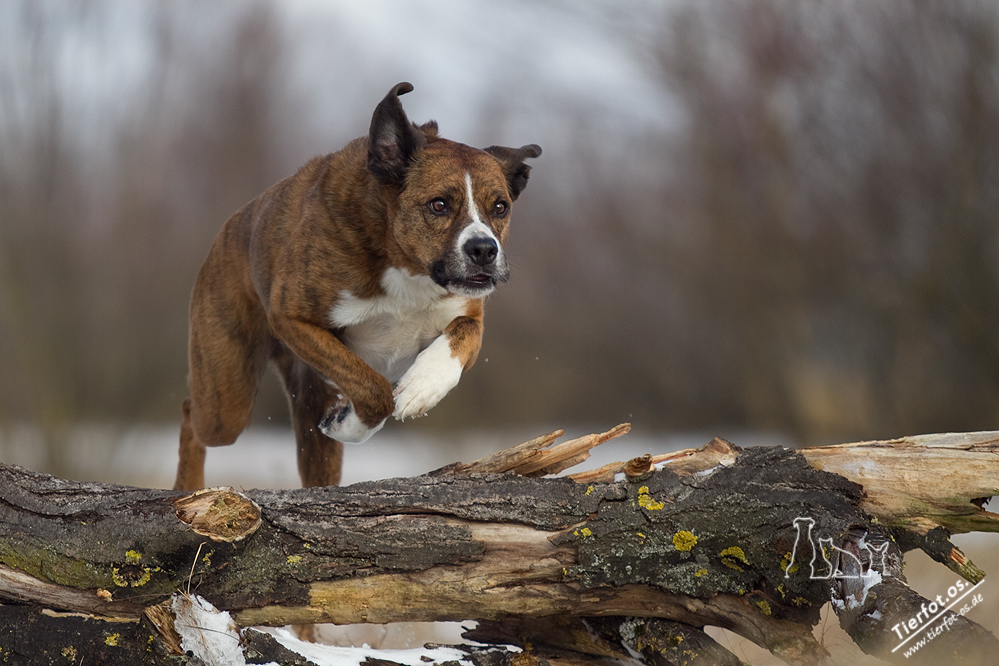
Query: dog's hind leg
191	466
228	351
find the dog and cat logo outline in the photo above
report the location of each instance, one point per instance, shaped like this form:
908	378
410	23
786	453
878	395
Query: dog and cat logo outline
848	565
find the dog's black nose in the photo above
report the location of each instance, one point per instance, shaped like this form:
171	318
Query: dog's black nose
482	250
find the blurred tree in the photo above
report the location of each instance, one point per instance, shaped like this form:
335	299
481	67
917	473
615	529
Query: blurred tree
104	221
40	187
806	243
842	161
204	141
812	250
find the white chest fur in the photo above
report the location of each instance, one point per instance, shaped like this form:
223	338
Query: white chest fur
388	331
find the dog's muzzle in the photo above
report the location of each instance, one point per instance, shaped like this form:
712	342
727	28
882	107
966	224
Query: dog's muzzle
474	270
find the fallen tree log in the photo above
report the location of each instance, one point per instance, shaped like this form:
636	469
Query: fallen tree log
636	558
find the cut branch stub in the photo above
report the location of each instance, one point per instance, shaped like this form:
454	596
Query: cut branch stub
221	514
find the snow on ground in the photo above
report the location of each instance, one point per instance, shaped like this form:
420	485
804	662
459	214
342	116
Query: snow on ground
264	456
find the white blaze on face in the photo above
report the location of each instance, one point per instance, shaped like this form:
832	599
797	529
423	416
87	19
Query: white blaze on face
473	210
477	227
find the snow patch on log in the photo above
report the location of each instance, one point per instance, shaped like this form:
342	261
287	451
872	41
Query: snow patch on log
212	636
206	632
328	655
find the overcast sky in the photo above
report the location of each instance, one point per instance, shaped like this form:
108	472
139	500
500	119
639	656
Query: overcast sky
536	56
535	60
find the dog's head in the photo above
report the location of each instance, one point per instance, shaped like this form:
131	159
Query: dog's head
448	204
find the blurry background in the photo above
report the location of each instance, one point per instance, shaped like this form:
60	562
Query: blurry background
750	216
766	220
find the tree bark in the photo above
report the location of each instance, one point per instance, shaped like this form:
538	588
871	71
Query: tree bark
678	542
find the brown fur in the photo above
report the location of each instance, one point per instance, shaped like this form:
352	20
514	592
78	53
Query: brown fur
282	262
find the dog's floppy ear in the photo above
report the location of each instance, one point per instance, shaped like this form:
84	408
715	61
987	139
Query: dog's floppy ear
512	161
392	140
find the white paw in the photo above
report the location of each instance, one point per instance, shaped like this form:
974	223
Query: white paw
432	375
342	424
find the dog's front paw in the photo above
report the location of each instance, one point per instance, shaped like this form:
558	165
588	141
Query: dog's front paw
342	424
432	375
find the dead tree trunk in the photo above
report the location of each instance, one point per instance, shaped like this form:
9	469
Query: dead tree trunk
634	559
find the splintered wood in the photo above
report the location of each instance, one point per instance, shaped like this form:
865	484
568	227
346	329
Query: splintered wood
533	458
685	463
542	457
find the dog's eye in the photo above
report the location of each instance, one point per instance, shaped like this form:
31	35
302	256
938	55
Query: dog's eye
438	206
500	208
